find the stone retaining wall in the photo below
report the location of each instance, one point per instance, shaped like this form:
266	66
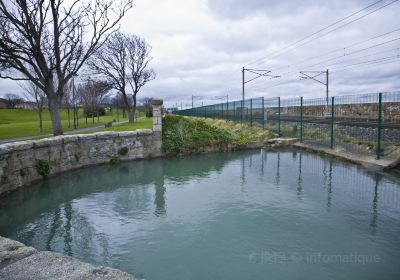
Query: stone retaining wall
20	162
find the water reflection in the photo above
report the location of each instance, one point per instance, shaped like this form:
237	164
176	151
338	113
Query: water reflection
374	219
96	213
300	179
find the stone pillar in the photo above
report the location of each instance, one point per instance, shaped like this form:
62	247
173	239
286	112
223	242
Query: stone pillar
157	114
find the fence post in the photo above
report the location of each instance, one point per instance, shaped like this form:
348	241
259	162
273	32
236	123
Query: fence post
251	112
378	140
234	111
263	113
227	111
279	116
332	120
301	119
242	112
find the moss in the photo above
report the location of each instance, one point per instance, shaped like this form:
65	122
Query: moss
42	167
123	151
4	179
22	172
77	156
114	160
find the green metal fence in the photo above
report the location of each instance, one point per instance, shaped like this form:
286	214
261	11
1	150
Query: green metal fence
367	124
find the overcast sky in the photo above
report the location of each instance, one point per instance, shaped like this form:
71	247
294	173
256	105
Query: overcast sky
200	46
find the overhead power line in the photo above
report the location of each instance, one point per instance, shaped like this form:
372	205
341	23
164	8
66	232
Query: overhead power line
311	37
342	49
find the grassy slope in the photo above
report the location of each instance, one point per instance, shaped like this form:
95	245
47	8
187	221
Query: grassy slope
182	134
25	122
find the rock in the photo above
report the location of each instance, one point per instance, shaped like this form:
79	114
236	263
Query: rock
18	261
12	251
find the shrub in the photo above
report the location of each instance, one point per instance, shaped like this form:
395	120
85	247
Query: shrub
123	151
114	160
42	167
22	172
90	113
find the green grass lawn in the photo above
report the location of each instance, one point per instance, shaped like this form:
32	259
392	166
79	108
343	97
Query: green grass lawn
25	122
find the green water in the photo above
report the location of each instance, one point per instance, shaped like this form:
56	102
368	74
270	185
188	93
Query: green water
247	215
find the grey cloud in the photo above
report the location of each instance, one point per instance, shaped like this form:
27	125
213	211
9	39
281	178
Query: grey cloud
237	9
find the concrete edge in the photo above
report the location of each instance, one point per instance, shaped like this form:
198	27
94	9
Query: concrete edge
368	163
18	261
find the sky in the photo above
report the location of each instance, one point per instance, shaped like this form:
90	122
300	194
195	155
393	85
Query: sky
200	46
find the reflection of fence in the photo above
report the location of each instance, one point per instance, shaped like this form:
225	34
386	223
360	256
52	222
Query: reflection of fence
367	124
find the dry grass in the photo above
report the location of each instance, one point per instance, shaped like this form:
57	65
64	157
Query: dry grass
243	134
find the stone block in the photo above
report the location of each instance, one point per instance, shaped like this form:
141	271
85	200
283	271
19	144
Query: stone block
144	132
20	146
106	135
127	134
49	265
70	138
12	251
86	136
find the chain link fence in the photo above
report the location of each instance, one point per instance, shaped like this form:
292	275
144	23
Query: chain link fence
367	125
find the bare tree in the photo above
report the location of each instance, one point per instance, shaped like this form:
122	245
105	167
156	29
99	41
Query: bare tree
48	41
147	108
32	91
92	94
139	54
12	100
123	62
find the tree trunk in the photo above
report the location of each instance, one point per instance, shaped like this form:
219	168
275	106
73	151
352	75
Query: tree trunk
40	120
74	111
98	115
134	106
69	118
77	116
54	108
130	115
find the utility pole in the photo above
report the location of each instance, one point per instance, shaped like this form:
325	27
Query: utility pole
243	82
327	87
192	101
313	75
258	74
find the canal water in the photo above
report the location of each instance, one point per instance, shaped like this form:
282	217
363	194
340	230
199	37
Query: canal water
246	215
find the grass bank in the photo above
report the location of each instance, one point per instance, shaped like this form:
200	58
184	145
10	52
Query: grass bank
182	135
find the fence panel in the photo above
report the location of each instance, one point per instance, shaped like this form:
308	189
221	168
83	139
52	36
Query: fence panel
290	117
390	126
367	125
317	122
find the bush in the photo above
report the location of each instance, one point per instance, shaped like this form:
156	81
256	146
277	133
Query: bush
183	134
42	167
123	151
90	113
114	160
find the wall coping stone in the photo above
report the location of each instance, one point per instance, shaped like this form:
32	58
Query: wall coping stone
127	133
144	132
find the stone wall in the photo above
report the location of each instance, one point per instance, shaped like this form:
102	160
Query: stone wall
19	161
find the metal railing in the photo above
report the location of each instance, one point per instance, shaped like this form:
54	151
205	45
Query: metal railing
367	124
